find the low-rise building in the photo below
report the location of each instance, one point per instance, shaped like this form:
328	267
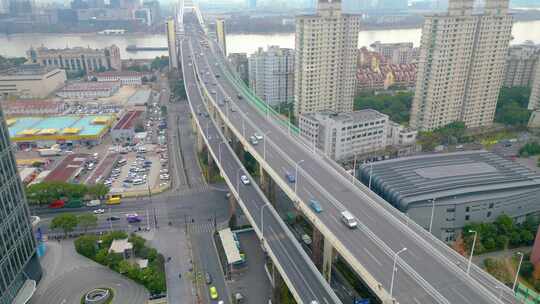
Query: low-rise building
130	78
31	81
399	135
386	76
451	190
77	58
124	129
33	107
343	135
89	90
122	247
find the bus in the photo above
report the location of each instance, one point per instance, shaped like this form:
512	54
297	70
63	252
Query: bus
115	199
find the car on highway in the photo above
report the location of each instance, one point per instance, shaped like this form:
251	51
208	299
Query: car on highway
348	219
113	218
245	180
213	293
258	136
253	140
315	206
290	177
208	278
99	211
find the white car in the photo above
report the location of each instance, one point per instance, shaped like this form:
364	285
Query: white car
164	177
245	180
164	171
99	211
258	136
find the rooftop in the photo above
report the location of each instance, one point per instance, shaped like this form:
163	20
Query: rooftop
447	176
91	86
128	120
28	70
361	115
63	125
120	246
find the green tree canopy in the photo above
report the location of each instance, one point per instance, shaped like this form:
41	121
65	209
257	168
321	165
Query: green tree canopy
66	222
396	106
512	106
87	220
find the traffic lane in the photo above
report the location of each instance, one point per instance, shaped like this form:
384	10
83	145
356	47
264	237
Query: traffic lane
210	263
459	285
252	198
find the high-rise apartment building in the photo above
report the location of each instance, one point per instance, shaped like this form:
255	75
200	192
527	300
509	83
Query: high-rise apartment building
534	101
19	264
520	64
461	65
397	53
325	64
240	63
271	74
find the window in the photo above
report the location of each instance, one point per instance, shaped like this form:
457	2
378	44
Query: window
467	217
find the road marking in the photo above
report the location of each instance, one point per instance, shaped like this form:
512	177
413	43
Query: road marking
372	256
292	262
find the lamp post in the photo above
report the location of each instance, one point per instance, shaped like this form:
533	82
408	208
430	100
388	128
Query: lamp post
472	249
370	173
394	270
264	144
296	175
432	213
517	272
353	169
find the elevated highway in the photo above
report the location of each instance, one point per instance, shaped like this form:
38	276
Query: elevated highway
427	272
299	273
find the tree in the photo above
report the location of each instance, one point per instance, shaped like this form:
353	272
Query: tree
396	106
87	245
98	191
66	222
87	220
512	106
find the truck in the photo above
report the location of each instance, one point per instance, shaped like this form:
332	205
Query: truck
74	203
49	152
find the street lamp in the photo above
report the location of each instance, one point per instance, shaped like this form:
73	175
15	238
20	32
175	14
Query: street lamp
394	270
370	173
472	249
432	213
264	144
262	219
296	175
517	272
353	170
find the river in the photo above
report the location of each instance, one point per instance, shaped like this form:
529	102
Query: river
16	45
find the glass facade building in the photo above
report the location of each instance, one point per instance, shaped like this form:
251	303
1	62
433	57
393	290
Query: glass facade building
18	258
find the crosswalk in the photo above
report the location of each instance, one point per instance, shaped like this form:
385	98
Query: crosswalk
198	228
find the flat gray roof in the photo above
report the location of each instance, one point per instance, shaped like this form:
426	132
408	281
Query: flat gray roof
447	176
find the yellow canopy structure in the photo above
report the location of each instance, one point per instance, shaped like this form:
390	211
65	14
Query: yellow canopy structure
11	121
71	130
28	132
47	131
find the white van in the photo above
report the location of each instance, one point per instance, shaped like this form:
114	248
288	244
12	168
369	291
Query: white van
348	219
93	203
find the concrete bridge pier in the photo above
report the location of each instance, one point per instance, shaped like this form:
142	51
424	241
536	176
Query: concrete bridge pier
277	281
268	186
323	254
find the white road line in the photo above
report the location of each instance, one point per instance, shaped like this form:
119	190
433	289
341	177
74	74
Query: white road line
292	262
372	256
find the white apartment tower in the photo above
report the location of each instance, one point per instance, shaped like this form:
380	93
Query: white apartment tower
461	65
271	74
325	65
